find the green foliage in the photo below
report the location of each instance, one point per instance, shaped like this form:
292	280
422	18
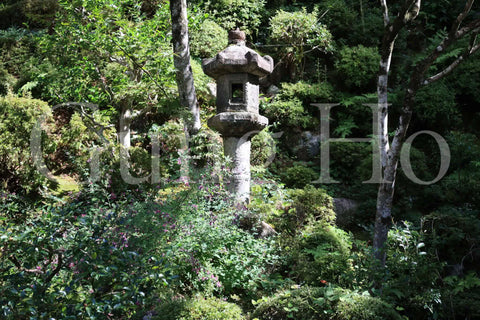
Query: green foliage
35	13
292	105
303	303
328	303
412	272
358	67
208	40
198	308
458	187
313	204
462	295
453	232
364	307
289	210
88	257
231	14
299	176
321	252
264	148
213	253
299	31
18	117
436	105
202	90
110	57
340	17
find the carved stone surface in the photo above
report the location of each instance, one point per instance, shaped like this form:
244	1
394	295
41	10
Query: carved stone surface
238	124
237	70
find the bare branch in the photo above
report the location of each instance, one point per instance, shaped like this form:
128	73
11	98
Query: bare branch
471	27
386	18
57	269
413	11
454	35
472	48
460	18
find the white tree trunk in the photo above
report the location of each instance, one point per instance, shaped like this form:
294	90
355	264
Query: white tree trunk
124	127
390	154
181	60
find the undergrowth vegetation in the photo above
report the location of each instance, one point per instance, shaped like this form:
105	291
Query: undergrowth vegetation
92	229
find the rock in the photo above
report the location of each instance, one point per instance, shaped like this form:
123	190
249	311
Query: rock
345	210
273	90
212	89
305	145
266	230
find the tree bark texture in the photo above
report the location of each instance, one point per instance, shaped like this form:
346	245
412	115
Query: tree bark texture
181	60
390	154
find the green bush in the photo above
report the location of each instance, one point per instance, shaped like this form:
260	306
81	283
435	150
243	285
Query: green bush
244	14
358	67
340	17
291	107
18	117
321	252
313	204
208	40
298	176
360	307
302	303
214	254
436	107
202	90
296	32
322	303
412	271
89	256
198	308
264	148
288	210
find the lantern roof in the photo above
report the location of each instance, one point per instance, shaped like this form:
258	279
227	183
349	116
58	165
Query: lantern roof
237	58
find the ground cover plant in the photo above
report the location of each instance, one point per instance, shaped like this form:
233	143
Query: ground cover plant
135	218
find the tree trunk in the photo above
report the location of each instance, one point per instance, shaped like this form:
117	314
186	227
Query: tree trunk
390	154
181	60
124	127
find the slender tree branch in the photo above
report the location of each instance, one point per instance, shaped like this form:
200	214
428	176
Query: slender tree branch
134	61
19	266
57	269
472	48
456	24
386	17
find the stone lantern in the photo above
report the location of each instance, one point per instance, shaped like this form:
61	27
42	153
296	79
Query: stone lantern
237	70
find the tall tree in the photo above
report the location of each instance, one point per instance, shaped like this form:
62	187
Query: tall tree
181	60
419	77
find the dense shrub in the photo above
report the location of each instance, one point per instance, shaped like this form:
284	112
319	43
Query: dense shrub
363	307
288	210
291	107
298	176
18	117
436	107
412	272
198	308
208	40
303	303
90	257
339	17
358	67
321	252
296	32
322	303
264	148
312	204
230	14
